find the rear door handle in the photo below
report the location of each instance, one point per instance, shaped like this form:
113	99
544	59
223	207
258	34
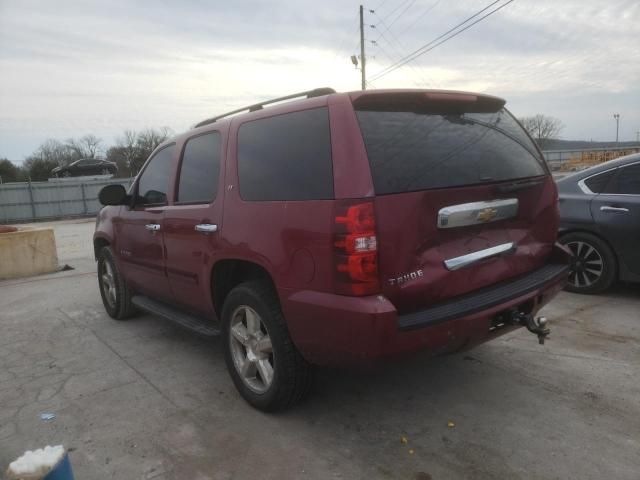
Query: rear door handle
154	227
609	209
206	228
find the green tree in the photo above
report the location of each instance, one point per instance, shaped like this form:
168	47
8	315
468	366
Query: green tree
9	172
38	169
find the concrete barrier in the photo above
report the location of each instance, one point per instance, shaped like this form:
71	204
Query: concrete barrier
28	251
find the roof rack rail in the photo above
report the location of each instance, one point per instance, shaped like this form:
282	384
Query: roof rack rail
316	92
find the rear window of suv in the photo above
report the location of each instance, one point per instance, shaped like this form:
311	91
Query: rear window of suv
286	157
411	151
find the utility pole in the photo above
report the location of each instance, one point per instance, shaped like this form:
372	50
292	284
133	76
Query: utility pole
638	136
362	58
617	117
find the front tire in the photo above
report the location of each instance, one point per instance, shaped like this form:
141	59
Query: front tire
262	360
593	264
115	293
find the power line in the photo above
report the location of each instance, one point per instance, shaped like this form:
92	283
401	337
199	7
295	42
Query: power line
400	5
440	39
421	16
401	13
391	59
381	4
427	45
399	51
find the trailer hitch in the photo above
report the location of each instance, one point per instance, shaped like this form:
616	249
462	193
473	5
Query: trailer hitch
537	326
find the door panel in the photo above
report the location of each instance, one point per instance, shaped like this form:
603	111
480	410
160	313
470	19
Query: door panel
141	233
141	251
194	221
618	218
191	253
616	211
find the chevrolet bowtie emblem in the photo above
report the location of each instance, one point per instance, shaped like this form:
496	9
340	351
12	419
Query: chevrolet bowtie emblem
487	215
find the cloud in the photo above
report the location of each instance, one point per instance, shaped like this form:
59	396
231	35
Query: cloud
76	67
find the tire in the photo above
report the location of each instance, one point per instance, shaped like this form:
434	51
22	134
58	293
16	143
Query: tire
593	265
267	345
115	293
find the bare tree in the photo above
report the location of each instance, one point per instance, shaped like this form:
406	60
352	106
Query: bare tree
53	151
135	147
542	128
85	147
128	147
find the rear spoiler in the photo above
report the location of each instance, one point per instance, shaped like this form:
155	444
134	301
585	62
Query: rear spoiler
426	101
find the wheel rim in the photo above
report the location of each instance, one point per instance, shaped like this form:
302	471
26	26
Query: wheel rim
251	349
587	265
105	171
108	284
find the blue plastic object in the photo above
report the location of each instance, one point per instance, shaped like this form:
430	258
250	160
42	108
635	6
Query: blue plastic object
62	471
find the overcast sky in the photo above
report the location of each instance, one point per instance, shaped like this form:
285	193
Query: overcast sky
68	68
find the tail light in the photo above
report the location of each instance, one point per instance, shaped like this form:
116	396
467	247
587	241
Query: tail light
355	249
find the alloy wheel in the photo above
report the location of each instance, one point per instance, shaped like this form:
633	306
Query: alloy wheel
109	284
251	349
587	265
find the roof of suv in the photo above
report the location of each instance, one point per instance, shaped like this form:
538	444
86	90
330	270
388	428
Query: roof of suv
362	98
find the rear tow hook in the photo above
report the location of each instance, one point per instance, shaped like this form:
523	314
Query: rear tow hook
535	325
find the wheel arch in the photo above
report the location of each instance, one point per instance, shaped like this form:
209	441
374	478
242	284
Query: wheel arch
228	273
98	244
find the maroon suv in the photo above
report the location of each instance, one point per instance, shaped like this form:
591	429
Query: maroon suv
337	229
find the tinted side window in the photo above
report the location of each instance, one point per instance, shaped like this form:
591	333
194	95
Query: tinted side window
200	169
286	157
628	180
154	180
598	183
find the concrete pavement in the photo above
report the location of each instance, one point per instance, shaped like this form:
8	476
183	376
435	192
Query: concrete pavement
142	399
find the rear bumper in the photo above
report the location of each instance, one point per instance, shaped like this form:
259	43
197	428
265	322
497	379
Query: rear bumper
336	330
483	299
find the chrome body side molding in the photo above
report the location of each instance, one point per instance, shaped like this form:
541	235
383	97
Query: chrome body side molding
477	213
473	257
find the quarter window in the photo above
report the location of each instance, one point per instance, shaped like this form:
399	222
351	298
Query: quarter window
154	180
286	157
598	183
628	180
200	169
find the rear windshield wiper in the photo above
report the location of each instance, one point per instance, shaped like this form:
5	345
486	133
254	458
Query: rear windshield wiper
514	187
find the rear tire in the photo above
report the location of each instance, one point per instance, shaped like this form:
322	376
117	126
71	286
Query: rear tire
116	296
593	264
263	362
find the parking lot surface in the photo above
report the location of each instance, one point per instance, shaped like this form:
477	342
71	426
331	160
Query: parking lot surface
141	399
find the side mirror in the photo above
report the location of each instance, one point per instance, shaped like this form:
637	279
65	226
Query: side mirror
113	195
